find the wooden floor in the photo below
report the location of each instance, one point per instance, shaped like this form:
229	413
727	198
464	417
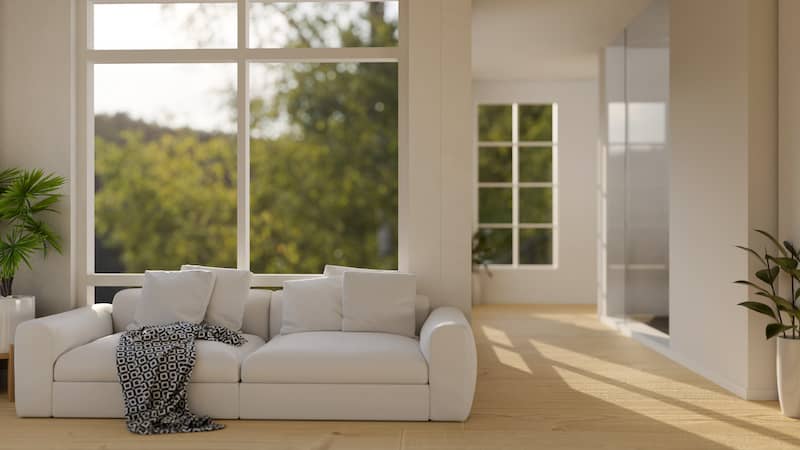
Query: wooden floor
550	377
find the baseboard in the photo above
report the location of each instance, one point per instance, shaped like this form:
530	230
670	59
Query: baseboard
656	341
512	301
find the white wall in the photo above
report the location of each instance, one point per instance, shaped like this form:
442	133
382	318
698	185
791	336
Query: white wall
36	124
789	115
723	115
435	212
574	279
36	130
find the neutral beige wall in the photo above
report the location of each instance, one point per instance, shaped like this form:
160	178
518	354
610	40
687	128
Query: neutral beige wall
723	161
439	162
762	174
789	117
35	124
574	279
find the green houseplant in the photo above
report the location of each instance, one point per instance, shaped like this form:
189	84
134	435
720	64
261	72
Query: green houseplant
482	251
25	196
784	313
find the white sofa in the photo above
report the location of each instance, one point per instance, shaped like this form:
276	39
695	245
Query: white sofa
65	367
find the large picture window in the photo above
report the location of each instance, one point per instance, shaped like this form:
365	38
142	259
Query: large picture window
251	134
516	184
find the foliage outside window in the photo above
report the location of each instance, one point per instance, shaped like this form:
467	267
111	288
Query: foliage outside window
516	151
323	143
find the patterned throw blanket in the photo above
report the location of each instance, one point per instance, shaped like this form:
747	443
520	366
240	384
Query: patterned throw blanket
154	366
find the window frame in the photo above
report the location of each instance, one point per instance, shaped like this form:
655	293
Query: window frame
85	57
515	184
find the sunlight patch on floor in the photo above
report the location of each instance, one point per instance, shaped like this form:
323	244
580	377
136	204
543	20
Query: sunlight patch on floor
511	359
496	336
658	409
603	366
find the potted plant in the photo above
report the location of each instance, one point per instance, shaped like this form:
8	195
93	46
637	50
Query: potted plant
481	257
785	315
25	196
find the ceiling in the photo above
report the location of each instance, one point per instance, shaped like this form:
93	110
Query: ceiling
545	39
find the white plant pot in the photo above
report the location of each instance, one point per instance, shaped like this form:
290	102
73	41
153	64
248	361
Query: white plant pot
13	311
788	368
477	288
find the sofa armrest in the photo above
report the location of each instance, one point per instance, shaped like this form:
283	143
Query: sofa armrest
37	345
448	346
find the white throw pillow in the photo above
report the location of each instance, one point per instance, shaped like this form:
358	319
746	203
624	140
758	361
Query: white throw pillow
174	296
379	302
228	299
312	305
337	271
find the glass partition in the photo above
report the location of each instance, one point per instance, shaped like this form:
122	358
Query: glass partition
637	171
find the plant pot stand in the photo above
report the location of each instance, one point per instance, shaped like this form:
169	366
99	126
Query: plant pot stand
10	378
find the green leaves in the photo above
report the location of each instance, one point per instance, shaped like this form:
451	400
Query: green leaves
30	192
779	301
786	312
787	264
768	275
759	308
16	248
752	252
24	194
774	241
751	284
774	329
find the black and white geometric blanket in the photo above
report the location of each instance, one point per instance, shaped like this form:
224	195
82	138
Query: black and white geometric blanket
154	367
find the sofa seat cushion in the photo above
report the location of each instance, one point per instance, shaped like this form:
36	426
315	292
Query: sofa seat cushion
96	361
337	357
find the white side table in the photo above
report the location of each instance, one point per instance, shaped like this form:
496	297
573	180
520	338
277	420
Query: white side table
13	311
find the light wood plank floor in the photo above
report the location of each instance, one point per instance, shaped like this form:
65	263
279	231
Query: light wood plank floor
550	377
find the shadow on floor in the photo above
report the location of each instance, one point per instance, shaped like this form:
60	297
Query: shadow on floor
534	369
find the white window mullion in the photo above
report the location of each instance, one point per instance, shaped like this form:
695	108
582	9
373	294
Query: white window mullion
221	55
515	183
84	126
554	160
243	143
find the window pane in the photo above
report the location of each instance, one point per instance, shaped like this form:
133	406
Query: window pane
165	166
535	205
323	165
536	164
535	123
494	164
105	294
647	123
498	242
494	205
494	123
329	24
536	246
161	26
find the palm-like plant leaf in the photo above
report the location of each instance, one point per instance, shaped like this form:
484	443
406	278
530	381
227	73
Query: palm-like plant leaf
47	236
24	194
30	192
6	177
15	249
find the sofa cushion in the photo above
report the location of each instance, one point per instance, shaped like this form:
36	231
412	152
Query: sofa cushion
312	305
379	302
96	361
174	296
332	270
337	357
226	307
